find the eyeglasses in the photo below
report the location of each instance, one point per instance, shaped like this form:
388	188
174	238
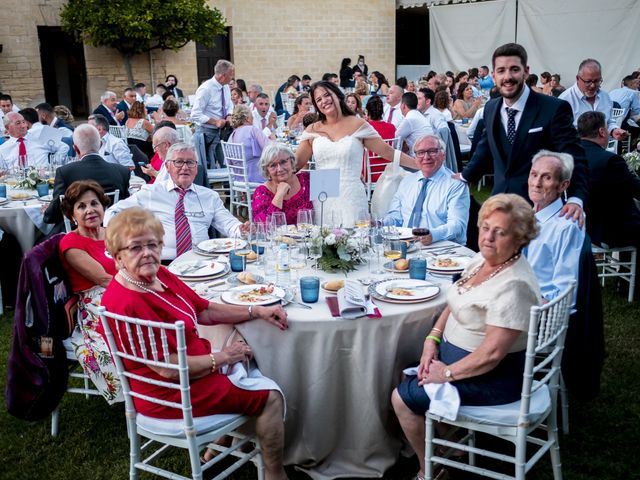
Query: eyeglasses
153	247
157	146
430	152
282	163
595	83
182	163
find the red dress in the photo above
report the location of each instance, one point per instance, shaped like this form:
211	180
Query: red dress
156	162
262	198
386	131
95	249
211	394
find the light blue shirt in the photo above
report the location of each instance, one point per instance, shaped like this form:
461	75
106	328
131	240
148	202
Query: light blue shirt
628	99
554	254
446	208
486	83
580	105
413	128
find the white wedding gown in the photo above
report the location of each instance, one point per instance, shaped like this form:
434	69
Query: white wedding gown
345	154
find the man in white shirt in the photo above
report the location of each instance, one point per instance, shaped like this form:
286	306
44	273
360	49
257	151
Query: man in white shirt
430	198
586	96
112	149
391	112
263	115
201	206
20	150
628	97
212	110
415	125
141	92
434	117
555	253
48	117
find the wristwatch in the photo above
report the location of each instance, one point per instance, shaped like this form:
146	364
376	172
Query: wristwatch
448	375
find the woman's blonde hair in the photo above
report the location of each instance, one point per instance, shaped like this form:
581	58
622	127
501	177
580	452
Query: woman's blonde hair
240	115
131	222
523	220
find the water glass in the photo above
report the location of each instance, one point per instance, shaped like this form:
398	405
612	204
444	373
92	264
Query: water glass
418	268
309	289
3	190
236	261
279	223
42	189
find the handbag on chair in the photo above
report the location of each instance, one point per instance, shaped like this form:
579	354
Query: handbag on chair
386	186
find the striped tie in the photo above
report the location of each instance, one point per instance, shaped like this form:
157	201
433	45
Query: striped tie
183	231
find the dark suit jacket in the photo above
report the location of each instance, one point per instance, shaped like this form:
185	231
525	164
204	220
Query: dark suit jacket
110	176
176	92
554	119
123	107
612	215
102	110
61	123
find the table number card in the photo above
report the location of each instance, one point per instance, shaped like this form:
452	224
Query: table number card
325	181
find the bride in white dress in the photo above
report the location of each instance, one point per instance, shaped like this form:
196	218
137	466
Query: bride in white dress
338	140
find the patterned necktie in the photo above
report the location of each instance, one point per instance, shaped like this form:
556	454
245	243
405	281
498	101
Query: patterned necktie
183	231
22	153
264	123
414	221
390	114
224	106
511	124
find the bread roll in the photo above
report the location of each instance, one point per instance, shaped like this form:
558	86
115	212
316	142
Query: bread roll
246	277
401	264
334	285
252	255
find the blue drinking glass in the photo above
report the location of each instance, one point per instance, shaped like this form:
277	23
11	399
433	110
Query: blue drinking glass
42	189
418	268
3	190
309	289
236	261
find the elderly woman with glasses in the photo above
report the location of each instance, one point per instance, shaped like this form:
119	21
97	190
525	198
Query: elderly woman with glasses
253	140
144	289
284	191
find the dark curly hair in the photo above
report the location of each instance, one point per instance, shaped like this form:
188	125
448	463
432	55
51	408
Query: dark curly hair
76	190
331	88
374	108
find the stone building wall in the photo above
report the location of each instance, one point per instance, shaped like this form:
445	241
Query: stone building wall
271	39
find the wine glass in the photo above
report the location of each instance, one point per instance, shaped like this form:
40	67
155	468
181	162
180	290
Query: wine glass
363	219
376	241
298	259
279	223
315	250
260	240
304	221
418	232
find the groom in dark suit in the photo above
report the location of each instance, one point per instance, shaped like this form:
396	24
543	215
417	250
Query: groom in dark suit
91	166
520	123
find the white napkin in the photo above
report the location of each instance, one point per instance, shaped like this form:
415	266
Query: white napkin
445	399
351	300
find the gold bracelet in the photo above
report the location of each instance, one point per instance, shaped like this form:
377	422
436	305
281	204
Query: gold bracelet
213	362
436	329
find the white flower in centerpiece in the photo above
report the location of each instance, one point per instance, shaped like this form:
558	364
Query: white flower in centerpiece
330	239
353	244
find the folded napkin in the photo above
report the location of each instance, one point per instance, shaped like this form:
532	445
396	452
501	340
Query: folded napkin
351	303
445	399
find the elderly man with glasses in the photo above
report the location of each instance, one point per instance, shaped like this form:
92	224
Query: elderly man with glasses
586	96
430	198
177	199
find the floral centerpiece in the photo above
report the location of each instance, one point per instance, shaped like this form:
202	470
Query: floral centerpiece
633	161
341	248
31	179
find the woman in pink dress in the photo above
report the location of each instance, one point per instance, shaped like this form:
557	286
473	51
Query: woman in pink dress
284	191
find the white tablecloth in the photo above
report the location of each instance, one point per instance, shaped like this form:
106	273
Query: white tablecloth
23	219
337	376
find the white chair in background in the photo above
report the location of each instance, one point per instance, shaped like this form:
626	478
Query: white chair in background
515	422
609	264
144	342
240	188
119	131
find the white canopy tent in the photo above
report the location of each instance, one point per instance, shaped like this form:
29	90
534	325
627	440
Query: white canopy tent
557	35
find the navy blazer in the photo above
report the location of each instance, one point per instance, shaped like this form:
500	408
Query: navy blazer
546	123
612	215
110	176
123	107
104	111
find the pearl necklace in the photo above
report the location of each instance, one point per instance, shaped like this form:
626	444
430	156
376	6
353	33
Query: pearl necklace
143	286
461	284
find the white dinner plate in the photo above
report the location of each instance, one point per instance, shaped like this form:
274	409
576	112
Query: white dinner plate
460	263
253	295
220	245
408	290
196	268
46	198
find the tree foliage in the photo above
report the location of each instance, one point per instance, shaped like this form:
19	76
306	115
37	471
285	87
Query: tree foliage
137	26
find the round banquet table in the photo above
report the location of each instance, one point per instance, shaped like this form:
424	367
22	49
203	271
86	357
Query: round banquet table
337	376
23	218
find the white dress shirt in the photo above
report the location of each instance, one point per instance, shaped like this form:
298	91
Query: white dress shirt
628	99
580	105
518	106
37	153
436	118
257	121
413	128
396	117
208	102
446	208
202	206
554	254
114	150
